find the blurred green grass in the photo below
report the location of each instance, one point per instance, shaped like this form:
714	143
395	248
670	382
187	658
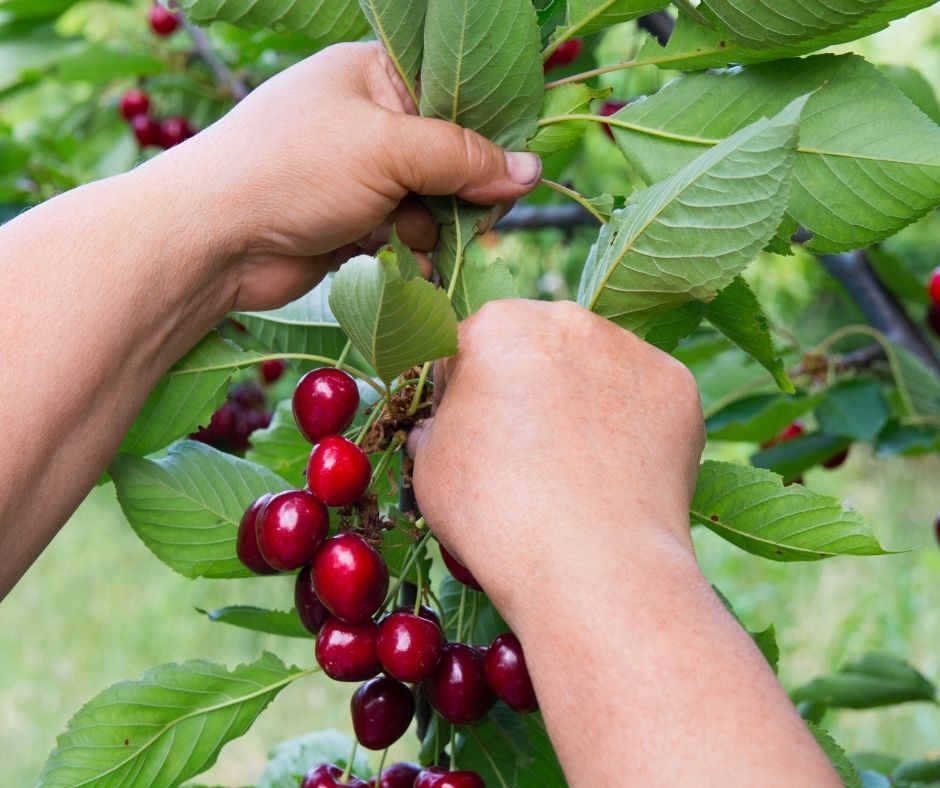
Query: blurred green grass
98	608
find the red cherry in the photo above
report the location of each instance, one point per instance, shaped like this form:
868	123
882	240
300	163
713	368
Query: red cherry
424	612
134	103
607	109
338	471
458	570
271	370
162	21
310	609
793	430
933	318
836	459
435	777
175	130
248	395
409	646
290	527
382	710
325	403
346	652
507	674
933	286
458	688
398	775
146	130
566	53
350	577
246	542
328	775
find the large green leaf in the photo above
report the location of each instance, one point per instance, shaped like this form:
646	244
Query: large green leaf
757	418
291	759
856	181
572	98
764	23
482	68
688	236
273	622
875	679
399	25
837	757
752	509
165	727
187	396
853	409
394	322
791	458
588	16
303	326
324	21
186	506
736	313
921	386
280	447
480	283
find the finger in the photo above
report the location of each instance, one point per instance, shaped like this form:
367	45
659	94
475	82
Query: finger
436	157
414	225
418	435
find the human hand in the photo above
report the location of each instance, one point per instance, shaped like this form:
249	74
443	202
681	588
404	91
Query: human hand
316	165
554	427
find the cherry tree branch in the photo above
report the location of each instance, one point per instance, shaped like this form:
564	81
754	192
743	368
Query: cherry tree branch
225	79
537	217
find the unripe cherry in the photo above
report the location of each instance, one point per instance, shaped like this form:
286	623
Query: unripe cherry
346	652
246	541
290	528
325	403
382	710
349	577
338	471
507	674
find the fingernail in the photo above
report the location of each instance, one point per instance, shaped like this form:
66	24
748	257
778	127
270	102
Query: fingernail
523	168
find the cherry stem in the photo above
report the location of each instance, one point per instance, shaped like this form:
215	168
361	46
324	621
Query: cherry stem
378	774
453	748
370	420
405	569
463	599
342	356
419	389
576	196
419	586
383	462
349	764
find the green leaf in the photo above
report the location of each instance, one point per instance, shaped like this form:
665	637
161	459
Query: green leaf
482	67
572	98
875	761
588	16
187	396
665	331
758	418
759	24
752	509
280	447
894	272
393	322
436	738
274	622
303	326
853	409
736	313
165	727
324	21
917	771
791	458
100	64
913	85
921	387
399	25
186	506
291	759
765	640
480	283
875	679
907	440
837	757
688	236
854	184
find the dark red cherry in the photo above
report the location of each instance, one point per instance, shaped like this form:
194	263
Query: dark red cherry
162	21
409	646
346	652
793	430
248	395
338	471
328	775
608	108
933	318
310	609
146	130
290	527
458	688
566	53
458	570
382	710
435	777
325	403
246	542
507	674
271	370
175	130
133	103
424	611
933	286
350	577
836	459
398	775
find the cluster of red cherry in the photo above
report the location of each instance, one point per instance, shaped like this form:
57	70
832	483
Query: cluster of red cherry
341	591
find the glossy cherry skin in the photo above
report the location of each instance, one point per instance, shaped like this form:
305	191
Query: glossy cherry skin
836	459
458	570
435	777
566	53
350	577
290	527
246	542
607	109
175	130
310	609
328	775
424	611
346	652
325	403
409	646
162	21
146	130
134	103
271	370
382	710
338	471
933	286
507	674
398	775
457	689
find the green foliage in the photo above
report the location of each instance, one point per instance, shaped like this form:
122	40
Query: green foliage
588	16
573	98
274	622
837	757
876	679
758	418
280	447
291	759
399	25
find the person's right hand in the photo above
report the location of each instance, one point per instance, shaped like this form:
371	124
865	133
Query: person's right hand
554	425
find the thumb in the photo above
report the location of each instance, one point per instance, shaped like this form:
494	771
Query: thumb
417	437
436	157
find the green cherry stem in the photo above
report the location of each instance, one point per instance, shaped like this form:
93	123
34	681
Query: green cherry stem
573	195
349	763
344	353
453	748
384	460
405	570
463	600
378	774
